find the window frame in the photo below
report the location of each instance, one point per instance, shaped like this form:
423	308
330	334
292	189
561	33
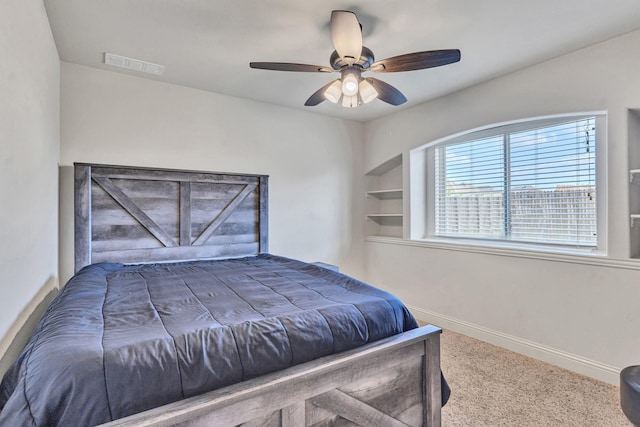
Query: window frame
422	185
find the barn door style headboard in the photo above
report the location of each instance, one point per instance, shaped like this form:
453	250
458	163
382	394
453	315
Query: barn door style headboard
139	215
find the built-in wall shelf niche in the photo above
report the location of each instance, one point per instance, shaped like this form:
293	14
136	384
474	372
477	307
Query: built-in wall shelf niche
385	195
634	183
379	218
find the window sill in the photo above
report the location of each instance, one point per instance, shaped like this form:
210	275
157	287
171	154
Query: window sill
562	255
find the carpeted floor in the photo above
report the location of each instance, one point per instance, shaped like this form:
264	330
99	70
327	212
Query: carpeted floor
492	386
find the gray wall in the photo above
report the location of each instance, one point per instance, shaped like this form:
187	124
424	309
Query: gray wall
314	162
577	312
29	146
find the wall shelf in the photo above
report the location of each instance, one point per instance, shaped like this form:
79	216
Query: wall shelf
632	174
385	199
385	194
386	218
393	215
633	124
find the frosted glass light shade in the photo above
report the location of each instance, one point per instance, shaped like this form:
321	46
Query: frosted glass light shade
334	92
350	101
367	92
349	84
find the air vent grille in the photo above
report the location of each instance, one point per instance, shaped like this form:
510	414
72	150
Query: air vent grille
133	64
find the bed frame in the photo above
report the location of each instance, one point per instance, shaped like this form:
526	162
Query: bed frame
137	215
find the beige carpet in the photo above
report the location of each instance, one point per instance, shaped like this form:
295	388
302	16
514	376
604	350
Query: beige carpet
492	386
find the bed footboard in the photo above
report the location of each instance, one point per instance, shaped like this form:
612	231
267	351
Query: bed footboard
392	382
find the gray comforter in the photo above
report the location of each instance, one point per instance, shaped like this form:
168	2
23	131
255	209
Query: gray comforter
122	339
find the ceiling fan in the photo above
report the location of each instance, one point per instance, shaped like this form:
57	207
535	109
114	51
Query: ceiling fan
351	59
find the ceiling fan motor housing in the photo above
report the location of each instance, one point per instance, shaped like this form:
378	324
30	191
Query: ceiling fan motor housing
364	62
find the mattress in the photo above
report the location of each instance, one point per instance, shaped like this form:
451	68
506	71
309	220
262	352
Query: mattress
121	339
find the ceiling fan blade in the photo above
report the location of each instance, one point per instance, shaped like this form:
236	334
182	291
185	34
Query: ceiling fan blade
386	92
416	61
318	96
287	66
346	35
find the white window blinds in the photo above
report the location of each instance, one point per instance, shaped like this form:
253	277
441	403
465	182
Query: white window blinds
533	185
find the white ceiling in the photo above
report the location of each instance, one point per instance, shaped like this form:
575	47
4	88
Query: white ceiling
208	44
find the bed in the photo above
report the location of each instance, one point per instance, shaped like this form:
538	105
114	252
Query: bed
178	315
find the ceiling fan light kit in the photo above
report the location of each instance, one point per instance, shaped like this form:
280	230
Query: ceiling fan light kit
334	92
351	59
350	81
350	101
367	92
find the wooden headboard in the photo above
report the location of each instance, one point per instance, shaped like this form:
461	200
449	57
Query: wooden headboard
138	215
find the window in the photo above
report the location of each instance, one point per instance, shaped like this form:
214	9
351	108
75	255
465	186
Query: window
530	182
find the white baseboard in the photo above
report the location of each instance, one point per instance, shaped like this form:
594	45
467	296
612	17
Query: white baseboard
591	368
